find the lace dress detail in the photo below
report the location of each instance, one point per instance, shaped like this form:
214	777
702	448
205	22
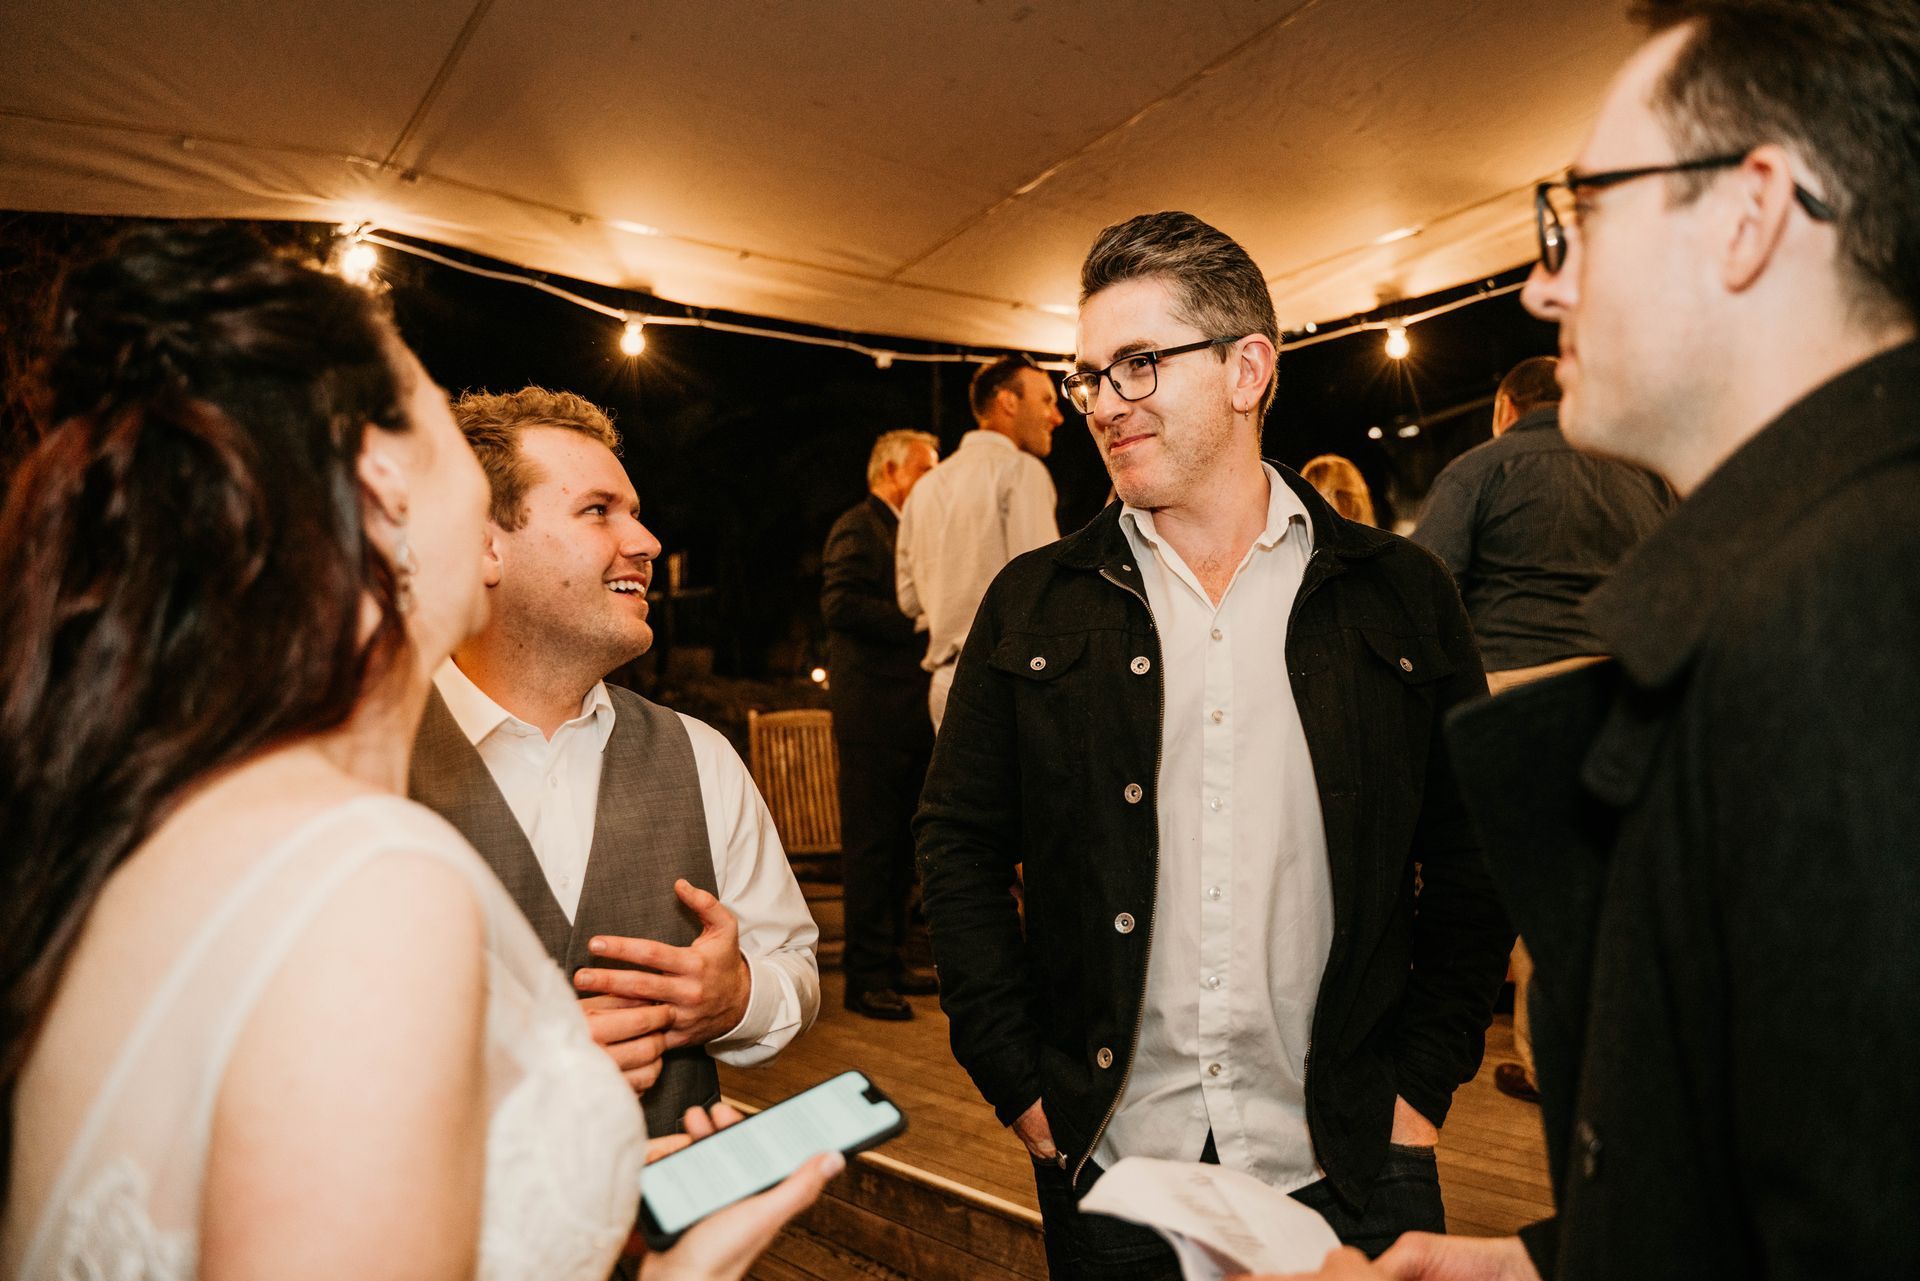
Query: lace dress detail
107	1235
565	1141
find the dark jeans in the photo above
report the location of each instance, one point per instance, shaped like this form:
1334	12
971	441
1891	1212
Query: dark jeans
1093	1247
879	788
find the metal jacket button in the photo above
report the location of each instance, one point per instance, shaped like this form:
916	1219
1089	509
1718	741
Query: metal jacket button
1038	664
1124	922
1104	1058
1587	1144
1133	793
1406	664
1141	665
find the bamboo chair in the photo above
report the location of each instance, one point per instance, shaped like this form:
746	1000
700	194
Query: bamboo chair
797	770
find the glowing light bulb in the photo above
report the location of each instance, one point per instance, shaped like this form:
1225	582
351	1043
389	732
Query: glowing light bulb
883	360
818	676
1312	328
358	262
633	339
1374	433
1397	344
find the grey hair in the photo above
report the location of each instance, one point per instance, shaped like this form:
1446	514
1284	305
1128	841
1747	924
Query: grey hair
893	447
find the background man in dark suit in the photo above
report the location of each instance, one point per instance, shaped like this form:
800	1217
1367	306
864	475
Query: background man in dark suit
880	725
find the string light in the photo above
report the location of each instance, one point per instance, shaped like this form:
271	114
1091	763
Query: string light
1409	431
818	676
1374	433
633	338
358	260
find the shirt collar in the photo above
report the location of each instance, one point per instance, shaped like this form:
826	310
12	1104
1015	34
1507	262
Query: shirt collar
1285	512
478	716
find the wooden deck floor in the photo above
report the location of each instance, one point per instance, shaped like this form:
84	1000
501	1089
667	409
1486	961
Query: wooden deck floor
1493	1169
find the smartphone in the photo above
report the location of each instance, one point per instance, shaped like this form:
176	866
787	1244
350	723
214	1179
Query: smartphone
847	1113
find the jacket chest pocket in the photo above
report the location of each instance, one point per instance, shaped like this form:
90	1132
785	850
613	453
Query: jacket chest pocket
1396	692
1053	707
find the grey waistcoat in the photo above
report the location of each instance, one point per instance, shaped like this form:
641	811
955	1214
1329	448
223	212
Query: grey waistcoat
648	832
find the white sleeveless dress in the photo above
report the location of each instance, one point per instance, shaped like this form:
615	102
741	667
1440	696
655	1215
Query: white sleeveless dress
565	1142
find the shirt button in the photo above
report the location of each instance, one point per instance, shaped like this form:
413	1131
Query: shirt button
1104	1058
1133	793
1214	1069
1214	803
1213	892
1217	716
1038	664
1141	665
1213	982
1218	634
1406	664
1124	923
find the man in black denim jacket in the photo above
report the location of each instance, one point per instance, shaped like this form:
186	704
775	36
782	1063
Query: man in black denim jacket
1052	757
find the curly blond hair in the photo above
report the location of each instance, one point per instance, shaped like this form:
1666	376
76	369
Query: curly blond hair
493	422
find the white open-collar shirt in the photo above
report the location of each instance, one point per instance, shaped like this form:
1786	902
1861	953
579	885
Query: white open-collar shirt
553	788
1243	919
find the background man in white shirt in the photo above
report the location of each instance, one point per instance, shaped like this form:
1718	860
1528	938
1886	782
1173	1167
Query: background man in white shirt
1208	723
631	836
987	502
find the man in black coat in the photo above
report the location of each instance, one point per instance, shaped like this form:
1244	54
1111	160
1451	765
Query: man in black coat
1712	843
1208	723
878	692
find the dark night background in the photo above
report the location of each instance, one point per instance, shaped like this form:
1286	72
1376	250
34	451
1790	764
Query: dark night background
745	449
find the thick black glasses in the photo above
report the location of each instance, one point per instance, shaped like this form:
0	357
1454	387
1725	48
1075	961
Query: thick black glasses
1134	377
1550	221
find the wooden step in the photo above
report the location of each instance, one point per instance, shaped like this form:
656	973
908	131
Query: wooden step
885	1218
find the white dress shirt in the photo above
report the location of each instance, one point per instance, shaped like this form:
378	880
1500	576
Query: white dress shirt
553	788
1243	919
986	503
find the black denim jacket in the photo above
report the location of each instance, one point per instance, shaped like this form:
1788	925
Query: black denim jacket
1049	757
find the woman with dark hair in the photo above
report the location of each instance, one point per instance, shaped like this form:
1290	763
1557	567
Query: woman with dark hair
259	1014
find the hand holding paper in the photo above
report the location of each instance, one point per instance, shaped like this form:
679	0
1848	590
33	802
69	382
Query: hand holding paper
1220	1222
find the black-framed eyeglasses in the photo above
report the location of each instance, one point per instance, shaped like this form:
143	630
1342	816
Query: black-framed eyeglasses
1134	377
1550	221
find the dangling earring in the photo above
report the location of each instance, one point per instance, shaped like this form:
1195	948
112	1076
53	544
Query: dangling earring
404	569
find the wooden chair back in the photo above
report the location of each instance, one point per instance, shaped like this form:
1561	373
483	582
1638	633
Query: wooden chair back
797	770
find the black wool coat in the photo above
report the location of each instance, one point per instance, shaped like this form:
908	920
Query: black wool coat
1712	848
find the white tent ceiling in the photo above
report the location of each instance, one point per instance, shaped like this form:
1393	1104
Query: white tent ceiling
922	168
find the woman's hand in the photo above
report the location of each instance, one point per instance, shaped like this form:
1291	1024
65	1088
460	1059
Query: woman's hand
724	1245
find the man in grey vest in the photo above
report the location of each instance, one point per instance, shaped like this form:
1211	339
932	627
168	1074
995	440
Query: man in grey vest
631	836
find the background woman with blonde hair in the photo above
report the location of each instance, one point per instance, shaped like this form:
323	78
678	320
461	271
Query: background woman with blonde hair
1342	485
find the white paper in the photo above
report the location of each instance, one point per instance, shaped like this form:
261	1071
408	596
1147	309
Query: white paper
1220	1222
